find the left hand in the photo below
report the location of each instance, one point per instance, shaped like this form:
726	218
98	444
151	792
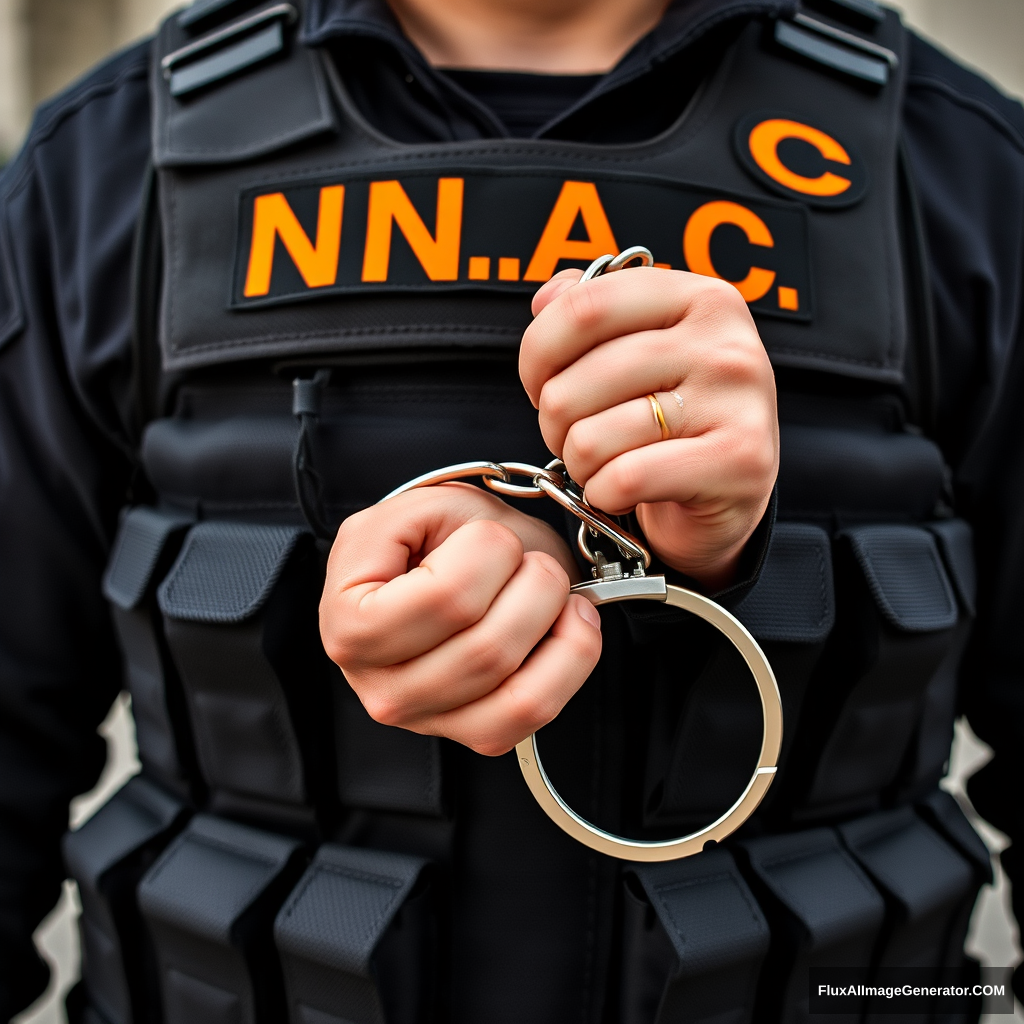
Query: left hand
588	361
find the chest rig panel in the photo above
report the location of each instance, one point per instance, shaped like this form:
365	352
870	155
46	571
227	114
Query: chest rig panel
456	237
296	238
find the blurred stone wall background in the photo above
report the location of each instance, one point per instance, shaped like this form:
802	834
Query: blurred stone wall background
46	44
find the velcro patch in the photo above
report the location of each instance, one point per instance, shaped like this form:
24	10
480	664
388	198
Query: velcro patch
489	229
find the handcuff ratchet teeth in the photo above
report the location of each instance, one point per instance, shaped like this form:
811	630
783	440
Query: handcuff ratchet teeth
626	581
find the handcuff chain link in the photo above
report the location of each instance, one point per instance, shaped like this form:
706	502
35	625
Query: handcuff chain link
549	481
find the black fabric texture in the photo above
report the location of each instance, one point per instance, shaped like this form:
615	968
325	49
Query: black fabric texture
906	576
793	599
137	549
523	103
330	933
927	886
106	857
824	913
68	207
717	936
956	542
209	902
225	571
253	670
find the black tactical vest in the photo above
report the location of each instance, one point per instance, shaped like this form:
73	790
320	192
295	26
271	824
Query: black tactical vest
337	313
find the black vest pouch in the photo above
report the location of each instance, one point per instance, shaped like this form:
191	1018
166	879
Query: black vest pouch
941	811
825	917
209	903
693	942
106	857
147	542
694	774
928	757
895	624
357	939
240	605
926	884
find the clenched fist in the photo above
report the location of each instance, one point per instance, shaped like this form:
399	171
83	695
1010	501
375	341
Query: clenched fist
592	355
449	612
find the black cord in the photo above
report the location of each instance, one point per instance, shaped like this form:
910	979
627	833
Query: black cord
307	398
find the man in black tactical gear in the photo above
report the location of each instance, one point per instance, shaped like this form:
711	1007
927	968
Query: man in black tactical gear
257	273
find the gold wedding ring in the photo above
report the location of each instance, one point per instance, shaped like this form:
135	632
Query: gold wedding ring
659	416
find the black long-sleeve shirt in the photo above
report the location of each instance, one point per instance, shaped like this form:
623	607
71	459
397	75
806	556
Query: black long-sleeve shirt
68	208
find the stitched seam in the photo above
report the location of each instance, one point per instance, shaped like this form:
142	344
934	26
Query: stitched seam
395	885
348	332
75	104
971	103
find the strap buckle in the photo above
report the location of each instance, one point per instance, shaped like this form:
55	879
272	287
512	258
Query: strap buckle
227	50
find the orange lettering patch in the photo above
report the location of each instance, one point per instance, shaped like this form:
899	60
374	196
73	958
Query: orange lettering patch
489	229
273	218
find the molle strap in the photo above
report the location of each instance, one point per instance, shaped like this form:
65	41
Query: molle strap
696	958
240	606
793	600
824	913
926	884
357	939
209	903
106	857
906	577
146	544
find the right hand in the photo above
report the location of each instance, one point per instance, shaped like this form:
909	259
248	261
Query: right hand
449	613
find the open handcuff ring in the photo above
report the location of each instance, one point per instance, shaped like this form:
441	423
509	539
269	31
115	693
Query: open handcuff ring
617	581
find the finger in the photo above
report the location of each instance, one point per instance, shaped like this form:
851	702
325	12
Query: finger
596	440
534	695
554	287
473	662
376	544
627	302
383	623
720	466
629	368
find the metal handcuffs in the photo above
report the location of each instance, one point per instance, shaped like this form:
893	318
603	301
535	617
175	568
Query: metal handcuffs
626	581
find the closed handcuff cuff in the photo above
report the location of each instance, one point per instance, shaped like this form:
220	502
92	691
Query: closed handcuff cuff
627	581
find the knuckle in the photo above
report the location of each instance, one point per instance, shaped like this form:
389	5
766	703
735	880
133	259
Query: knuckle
384	708
754	458
491	657
459	608
582	446
554	402
530	710
489	746
549	574
623	478
583	307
